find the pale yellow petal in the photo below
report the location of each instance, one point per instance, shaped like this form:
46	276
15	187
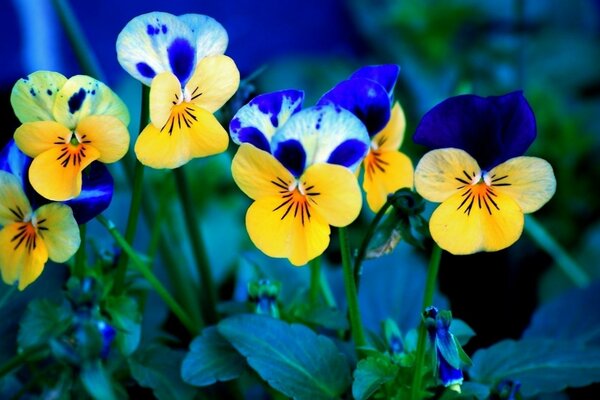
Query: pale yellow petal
476	219
14	206
441	173
23	256
32	98
207	135
59	230
34	138
333	193
258	173
527	180
385	173
106	134
215	80
391	136
165	93
56	173
278	233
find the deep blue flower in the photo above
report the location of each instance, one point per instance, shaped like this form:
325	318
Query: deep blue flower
97	185
446	347
491	129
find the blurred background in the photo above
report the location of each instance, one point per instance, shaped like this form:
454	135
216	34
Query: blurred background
548	49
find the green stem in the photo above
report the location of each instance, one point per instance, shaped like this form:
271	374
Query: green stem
79	268
358	334
209	301
81	47
326	290
544	239
148	275
20	358
12	290
136	198
432	272
362	251
315	280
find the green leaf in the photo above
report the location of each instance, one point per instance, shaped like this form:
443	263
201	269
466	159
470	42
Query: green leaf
43	321
469	391
370	374
211	359
541	365
291	358
157	367
322	315
126	319
96	381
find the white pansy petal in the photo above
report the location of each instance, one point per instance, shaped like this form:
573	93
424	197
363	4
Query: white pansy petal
211	37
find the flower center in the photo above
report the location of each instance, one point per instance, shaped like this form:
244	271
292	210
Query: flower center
27	234
296	199
181	115
374	162
479	191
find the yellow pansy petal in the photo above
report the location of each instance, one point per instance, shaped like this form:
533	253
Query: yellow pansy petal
333	193
165	92
32	98
56	173
81	96
59	230
215	80
24	254
385	173
476	220
188	133
258	173
280	233
391	136
440	173
14	206
106	134
34	138
527	180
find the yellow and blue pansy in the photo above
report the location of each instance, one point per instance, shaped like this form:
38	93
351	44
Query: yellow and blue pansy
66	125
181	59
29	238
368	94
478	172
302	182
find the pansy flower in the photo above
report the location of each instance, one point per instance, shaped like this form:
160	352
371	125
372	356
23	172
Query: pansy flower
96	188
478	172
181	59
368	95
66	125
28	238
297	167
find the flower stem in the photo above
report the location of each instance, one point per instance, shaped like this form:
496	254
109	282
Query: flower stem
362	250
432	272
315	280
136	198
79	267
358	334
148	275
209	302
544	239
20	358
81	47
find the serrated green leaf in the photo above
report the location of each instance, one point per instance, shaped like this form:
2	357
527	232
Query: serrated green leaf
211	358
43	321
370	374
291	358
541	365
126	319
96	381
157	368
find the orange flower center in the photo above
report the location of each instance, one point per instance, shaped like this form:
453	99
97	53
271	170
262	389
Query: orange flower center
72	149
374	162
479	191
27	234
181	114
296	198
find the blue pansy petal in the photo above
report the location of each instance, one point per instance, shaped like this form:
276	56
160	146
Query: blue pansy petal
325	132
447	373
210	36
157	42
14	161
365	98
257	121
386	75
292	155
96	193
491	129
